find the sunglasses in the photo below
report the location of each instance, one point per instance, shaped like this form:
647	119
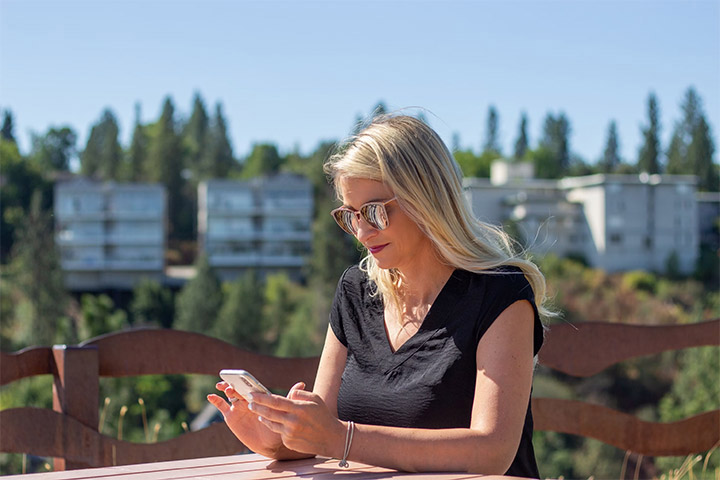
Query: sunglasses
373	213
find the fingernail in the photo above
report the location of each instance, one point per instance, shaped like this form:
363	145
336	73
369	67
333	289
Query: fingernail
251	406
250	397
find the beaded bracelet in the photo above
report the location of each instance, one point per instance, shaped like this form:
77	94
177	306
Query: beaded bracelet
348	441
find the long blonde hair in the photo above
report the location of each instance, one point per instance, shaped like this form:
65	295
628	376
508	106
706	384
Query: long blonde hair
411	158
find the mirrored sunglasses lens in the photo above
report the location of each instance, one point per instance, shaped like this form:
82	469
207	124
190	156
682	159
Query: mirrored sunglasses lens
345	219
375	215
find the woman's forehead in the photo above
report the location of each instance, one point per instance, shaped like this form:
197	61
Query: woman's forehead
354	189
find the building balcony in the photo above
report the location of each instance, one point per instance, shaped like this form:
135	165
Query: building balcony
128	264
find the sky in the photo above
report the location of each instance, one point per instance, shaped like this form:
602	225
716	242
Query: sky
297	73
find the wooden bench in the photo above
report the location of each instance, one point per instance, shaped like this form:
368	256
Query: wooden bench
69	432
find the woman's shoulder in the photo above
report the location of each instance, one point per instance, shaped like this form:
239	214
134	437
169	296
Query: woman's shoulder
501	278
353	279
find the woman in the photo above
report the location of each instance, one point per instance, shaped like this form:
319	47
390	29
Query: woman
428	360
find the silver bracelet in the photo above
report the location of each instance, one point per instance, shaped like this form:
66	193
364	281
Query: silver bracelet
348	441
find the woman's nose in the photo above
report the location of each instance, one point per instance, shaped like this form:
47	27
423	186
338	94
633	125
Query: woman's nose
365	231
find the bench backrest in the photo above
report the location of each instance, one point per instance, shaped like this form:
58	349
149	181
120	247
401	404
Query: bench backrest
69	432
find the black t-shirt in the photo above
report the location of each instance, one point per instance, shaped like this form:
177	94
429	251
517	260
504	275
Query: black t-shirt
429	382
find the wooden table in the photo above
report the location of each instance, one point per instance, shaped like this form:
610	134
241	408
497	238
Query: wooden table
250	466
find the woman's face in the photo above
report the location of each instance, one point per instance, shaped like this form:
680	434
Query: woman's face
399	245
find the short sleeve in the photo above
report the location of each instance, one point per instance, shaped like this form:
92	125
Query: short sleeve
337	309
503	290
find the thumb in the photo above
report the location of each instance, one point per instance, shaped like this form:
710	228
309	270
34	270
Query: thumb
298	387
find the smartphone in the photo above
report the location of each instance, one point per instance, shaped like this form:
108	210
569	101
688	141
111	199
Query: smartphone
243	382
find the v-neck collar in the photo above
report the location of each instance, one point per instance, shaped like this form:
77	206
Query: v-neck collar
445	303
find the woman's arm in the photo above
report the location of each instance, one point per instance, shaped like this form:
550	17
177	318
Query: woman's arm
504	376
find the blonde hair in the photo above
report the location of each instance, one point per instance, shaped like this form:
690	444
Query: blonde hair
412	160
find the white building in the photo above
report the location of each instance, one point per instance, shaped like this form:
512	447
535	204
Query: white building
109	234
615	222
263	224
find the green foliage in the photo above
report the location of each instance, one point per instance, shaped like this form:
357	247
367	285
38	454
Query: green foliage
35	272
200	300
138	153
54	150
545	162
240	321
640	280
522	144
21	179
649	157
194	138
263	160
152	304
7	132
281	300
555	144
102	156
217	159
492	142
611	160
99	316
473	165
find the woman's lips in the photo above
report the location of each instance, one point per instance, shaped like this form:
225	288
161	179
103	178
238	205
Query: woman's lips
377	249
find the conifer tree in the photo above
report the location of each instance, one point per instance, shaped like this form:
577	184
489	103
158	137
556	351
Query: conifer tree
552	158
102	155
138	153
195	135
152	304
700	157
8	127
164	166
198	303
217	158
35	271
611	156
492	143
521	144
649	157
263	160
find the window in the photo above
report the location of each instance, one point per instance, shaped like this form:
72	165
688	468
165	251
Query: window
616	238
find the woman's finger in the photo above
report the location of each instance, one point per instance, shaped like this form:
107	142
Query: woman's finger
219	403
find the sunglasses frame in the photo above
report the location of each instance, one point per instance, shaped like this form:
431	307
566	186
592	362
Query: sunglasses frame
362	213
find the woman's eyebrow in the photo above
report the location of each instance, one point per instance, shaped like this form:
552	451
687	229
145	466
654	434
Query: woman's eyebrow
377	200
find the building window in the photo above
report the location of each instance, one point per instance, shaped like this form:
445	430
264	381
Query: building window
616	238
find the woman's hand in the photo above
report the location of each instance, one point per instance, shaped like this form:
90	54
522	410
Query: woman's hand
302	420
244	423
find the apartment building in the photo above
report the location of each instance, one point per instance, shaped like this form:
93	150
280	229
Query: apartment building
264	224
615	222
110	235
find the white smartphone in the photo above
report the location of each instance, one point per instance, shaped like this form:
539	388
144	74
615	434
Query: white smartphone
243	382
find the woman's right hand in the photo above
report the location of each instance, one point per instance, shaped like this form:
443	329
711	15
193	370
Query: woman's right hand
244	423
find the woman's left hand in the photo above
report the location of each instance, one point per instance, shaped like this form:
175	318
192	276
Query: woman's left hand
303	421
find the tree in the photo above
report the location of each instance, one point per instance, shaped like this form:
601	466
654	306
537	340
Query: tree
194	138
522	144
552	158
281	300
611	156
492	143
473	165
217	158
649	157
35	270
199	302
54	150
138	153
164	166
7	133
240	320
20	179
152	304
99	316
102	155
380	109
263	160
700	157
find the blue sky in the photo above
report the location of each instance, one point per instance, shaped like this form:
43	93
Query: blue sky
296	73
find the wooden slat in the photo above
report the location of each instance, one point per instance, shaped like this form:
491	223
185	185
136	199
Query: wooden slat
689	436
585	349
42	432
25	363
149	351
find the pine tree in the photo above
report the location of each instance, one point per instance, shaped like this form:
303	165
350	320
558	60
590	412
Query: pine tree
649	157
198	303
152	304
553	154
164	166
700	157
492	143
240	321
611	156
8	127
102	155
138	153
54	150
687	131
35	271
194	137
521	144
217	158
